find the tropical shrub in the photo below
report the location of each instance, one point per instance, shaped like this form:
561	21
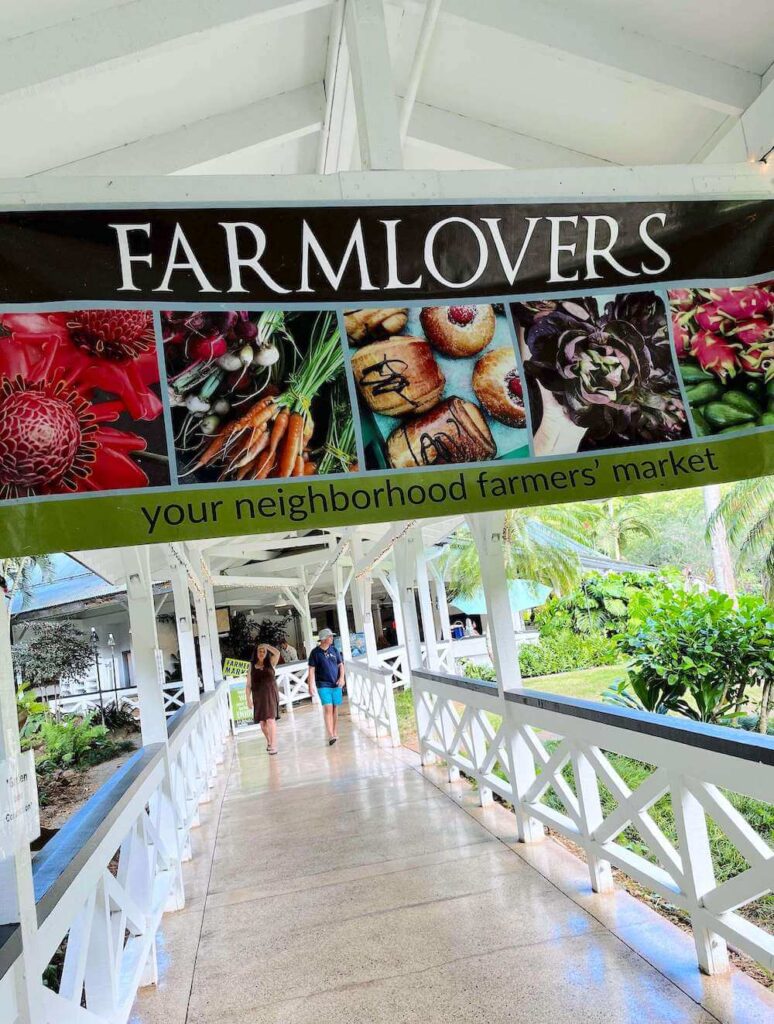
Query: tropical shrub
561	651
30	713
473	670
76	743
118	715
598	604
695	654
564	650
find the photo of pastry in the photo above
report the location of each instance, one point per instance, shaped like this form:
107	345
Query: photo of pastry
436	386
257	395
599	373
724	339
80	409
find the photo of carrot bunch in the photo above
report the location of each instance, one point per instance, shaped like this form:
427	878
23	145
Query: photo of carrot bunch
257	395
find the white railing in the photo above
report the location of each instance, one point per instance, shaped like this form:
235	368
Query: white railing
372	699
104	881
88	702
292	683
393	660
11	979
554	760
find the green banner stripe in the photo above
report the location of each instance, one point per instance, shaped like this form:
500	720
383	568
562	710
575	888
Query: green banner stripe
197	513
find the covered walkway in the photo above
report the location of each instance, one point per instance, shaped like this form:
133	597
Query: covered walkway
351	884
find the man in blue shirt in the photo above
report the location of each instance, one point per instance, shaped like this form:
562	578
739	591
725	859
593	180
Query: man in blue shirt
326	677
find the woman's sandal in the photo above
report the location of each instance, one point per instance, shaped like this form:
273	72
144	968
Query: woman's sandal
272	750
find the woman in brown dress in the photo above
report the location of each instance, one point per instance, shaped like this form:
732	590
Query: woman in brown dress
262	693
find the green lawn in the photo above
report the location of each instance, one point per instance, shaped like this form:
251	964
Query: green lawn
587	684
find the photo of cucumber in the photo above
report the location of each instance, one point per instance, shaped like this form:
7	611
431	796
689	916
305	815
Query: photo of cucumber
724	339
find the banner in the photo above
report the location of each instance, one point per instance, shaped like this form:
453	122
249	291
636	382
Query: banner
182	373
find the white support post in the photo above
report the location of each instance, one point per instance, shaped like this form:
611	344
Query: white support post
145	645
361	603
487	530
214	639
17	895
185	639
405	553
699	874
305	613
375	102
390	585
426	608
478	738
591	816
202	627
442	605
341	612
149	673
523	774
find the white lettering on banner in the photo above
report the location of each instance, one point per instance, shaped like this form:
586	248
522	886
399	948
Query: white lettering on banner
19	813
563	238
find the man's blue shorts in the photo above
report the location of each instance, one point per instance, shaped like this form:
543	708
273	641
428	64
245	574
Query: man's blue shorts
330	695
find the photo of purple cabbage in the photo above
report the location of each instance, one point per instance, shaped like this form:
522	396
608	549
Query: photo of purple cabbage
606	376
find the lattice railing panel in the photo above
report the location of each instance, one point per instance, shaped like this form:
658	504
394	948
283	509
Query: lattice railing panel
565	772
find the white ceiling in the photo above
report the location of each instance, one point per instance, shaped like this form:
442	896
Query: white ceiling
113	87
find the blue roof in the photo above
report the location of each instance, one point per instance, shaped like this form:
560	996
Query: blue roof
522	594
67	581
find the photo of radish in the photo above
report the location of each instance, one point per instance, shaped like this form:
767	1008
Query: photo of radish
724	338
257	395
80	405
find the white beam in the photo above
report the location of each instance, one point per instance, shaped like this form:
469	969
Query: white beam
658	180
432	9
261	582
456	133
258	545
597	41
121	32
375	102
337	138
185	639
145	644
751	136
268	122
487	528
335	555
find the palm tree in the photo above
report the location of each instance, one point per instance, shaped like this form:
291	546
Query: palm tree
616	520
747	511
536	548
16	574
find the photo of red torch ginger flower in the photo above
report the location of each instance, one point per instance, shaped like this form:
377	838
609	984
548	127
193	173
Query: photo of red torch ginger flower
724	338
64	379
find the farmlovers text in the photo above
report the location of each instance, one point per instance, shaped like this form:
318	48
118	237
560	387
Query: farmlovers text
570	248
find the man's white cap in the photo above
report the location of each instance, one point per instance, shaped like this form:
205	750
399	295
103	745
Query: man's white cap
324	634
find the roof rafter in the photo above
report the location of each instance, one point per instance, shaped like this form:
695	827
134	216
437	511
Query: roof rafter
749	137
456	133
629	56
121	32
268	122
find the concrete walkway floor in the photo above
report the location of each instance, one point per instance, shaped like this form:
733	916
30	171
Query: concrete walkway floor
345	884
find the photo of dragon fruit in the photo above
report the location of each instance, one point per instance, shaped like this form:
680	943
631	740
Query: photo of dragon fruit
724	339
79	403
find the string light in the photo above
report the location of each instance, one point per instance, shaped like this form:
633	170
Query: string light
409	525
